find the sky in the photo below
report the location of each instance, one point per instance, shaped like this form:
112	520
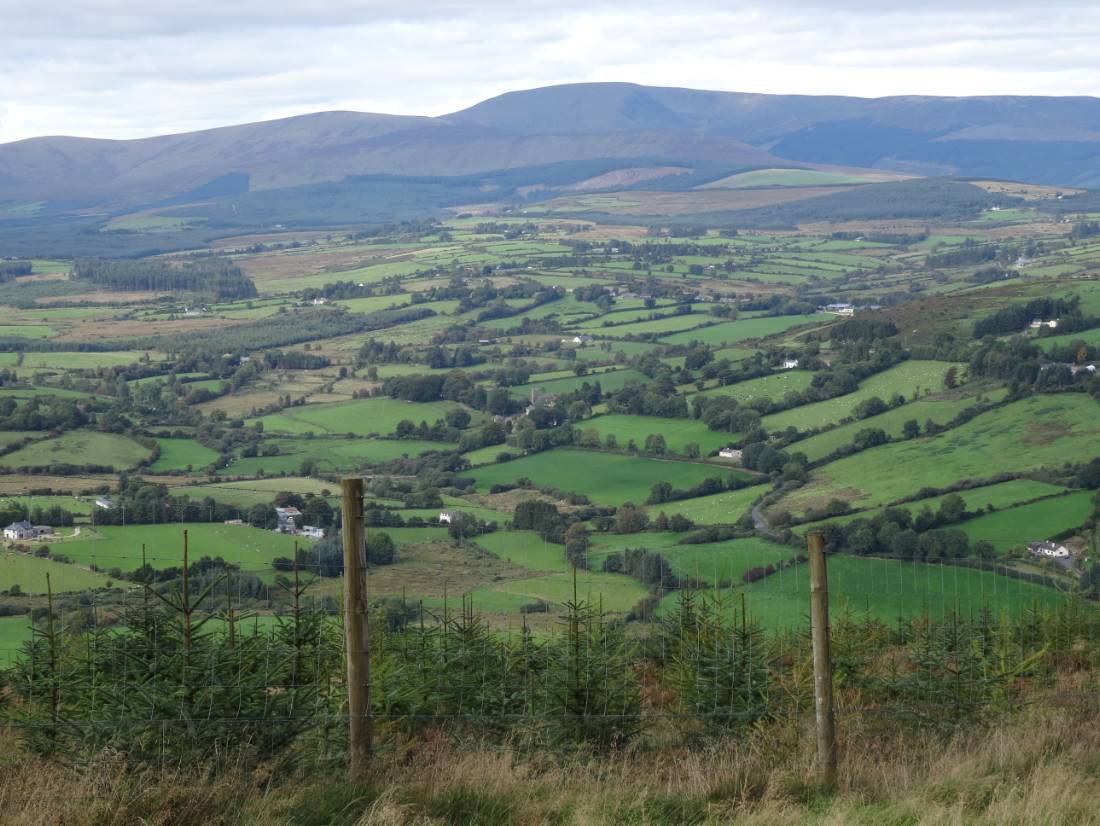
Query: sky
133	68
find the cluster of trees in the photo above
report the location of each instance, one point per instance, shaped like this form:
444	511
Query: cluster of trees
284	329
647	567
14	269
326	557
46	413
863	329
200	275
1016	317
662	492
294	360
968	252
897	532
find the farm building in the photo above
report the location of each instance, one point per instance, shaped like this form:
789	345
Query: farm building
104	503
288	519
1052	550
312	532
1037	323
730	453
446	517
790	364
25	530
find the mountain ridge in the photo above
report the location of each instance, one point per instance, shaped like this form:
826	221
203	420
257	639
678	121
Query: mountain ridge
1037	139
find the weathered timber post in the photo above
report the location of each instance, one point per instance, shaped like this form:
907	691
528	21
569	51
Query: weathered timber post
356	633
823	661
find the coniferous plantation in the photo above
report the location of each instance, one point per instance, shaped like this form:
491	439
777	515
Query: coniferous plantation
597	454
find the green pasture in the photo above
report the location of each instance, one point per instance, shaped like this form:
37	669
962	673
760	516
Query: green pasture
79	447
29	573
118	546
1000	495
330	454
717	509
731	332
616	593
365	417
245	494
14	632
677	432
26	331
69	503
911	379
612	380
886	589
1025	435
774	386
725	562
1035	521
87	361
182	454
786	177
940	409
606	478
526	549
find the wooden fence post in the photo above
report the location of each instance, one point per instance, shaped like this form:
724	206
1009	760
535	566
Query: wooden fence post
823	662
356	632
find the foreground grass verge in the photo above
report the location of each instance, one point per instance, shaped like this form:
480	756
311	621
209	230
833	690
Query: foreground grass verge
1038	768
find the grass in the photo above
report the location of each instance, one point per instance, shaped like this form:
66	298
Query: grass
887	589
1000	495
719	562
1024	435
940	409
29	573
79	447
731	332
378	416
790	177
717	509
329	454
677	432
611	380
107	547
526	549
774	387
182	454
86	361
615	592
605	478
255	491
910	379
1036	767
1016	527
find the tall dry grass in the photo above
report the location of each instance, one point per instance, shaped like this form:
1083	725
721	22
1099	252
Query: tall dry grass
1040	767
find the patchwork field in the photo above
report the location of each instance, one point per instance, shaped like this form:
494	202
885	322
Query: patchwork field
1014	528
328	454
677	432
182	454
29	573
379	416
79	447
911	379
731	332
1053	429
607	478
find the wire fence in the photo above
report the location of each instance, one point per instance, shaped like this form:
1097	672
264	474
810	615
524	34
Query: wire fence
204	666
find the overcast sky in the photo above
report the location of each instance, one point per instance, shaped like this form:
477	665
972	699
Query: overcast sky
126	68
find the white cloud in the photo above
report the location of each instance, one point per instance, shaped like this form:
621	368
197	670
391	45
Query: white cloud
119	68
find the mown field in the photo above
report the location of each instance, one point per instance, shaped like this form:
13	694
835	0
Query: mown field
774	386
607	478
677	432
108	547
940	409
886	589
328	454
29	573
912	379
182	455
731	332
1015	527
716	509
79	447
1024	435
379	416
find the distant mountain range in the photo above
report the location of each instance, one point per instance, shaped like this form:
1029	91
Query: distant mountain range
1036	139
